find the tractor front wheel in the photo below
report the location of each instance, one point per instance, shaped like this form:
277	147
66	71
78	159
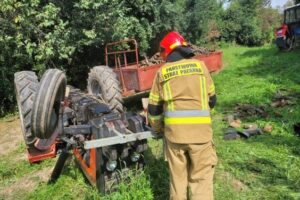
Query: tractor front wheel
289	43
47	104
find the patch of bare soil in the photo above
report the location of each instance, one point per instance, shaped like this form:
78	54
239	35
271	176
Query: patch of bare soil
248	110
10	139
284	98
236	184
10	135
25	184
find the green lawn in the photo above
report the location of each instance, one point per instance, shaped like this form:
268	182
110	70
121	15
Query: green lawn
267	166
261	167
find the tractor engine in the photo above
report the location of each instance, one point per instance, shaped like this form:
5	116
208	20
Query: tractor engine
86	118
59	120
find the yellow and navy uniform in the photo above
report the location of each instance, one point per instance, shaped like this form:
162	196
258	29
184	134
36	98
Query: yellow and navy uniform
180	101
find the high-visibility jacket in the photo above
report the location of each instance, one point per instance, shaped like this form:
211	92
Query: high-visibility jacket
183	89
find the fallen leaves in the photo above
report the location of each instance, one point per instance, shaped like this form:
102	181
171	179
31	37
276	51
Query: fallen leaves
238	129
248	110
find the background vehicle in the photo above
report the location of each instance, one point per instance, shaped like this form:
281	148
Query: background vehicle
288	36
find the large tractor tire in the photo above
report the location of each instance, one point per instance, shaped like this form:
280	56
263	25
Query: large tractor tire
26	86
47	105
103	83
290	43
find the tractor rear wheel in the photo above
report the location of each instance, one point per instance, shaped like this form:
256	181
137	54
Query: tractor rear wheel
26	86
289	43
103	83
47	104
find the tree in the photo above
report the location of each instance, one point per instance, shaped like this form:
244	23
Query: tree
269	19
289	3
70	35
250	22
240	22
36	35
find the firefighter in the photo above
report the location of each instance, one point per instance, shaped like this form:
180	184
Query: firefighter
180	101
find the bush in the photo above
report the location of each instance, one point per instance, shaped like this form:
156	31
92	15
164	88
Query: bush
240	25
249	23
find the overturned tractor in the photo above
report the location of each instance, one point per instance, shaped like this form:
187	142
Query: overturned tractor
57	119
61	120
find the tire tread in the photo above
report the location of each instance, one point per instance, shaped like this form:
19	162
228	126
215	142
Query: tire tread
26	84
110	86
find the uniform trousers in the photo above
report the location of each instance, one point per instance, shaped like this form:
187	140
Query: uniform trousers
191	168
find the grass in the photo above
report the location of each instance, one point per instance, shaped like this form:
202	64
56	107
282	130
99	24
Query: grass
268	166
261	167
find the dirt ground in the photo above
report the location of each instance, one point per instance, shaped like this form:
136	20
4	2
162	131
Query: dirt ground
25	184
11	140
10	135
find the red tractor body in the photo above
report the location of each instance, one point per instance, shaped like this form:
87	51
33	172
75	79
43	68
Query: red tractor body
282	31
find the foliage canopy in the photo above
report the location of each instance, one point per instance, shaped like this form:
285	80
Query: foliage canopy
70	35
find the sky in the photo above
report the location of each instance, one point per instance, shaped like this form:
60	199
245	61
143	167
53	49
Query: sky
276	3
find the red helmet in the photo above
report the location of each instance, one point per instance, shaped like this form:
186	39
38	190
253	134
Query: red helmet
171	41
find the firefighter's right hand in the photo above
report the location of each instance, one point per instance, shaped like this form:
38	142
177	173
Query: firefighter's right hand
157	133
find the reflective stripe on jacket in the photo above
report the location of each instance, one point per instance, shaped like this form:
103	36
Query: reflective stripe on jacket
183	88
